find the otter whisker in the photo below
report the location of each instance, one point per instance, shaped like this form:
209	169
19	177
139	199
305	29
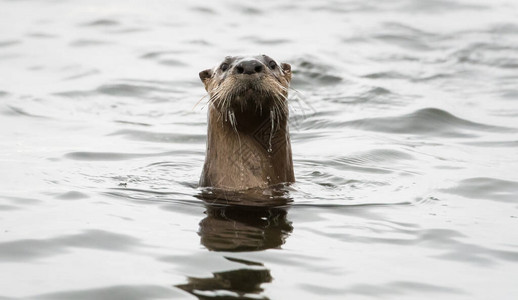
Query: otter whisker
272	130
232	119
280	86
300	98
199	101
277	114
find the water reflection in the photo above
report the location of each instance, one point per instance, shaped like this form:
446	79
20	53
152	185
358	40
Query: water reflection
235	229
248	225
243	283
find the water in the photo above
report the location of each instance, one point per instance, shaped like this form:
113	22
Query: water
404	137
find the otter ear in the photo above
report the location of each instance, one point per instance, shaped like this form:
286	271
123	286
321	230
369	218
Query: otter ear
205	75
286	68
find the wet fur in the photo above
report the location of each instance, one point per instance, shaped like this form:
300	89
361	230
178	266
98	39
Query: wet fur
239	107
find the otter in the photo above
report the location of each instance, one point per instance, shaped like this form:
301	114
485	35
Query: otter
248	143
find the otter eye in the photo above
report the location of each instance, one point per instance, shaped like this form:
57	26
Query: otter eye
272	64
224	67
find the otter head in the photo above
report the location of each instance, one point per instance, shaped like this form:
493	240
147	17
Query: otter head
248	88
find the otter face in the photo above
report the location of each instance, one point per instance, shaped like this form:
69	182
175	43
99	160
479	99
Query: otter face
248	83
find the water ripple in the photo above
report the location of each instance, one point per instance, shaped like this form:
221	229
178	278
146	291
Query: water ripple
8	43
119	292
101	23
488	54
307	72
428	121
169	58
31	249
487	189
400	288
72	195
151	136
115	156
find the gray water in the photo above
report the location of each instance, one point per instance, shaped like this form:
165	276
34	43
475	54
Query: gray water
404	134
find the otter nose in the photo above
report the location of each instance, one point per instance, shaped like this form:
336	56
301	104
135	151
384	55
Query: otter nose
249	67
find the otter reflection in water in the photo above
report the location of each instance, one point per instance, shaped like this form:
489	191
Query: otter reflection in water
243	283
237	229
248	144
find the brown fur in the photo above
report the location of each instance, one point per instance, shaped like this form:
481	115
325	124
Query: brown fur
248	144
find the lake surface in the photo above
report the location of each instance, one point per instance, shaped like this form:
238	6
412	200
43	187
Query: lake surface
404	129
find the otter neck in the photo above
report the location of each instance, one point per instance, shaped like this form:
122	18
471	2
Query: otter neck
249	121
251	152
